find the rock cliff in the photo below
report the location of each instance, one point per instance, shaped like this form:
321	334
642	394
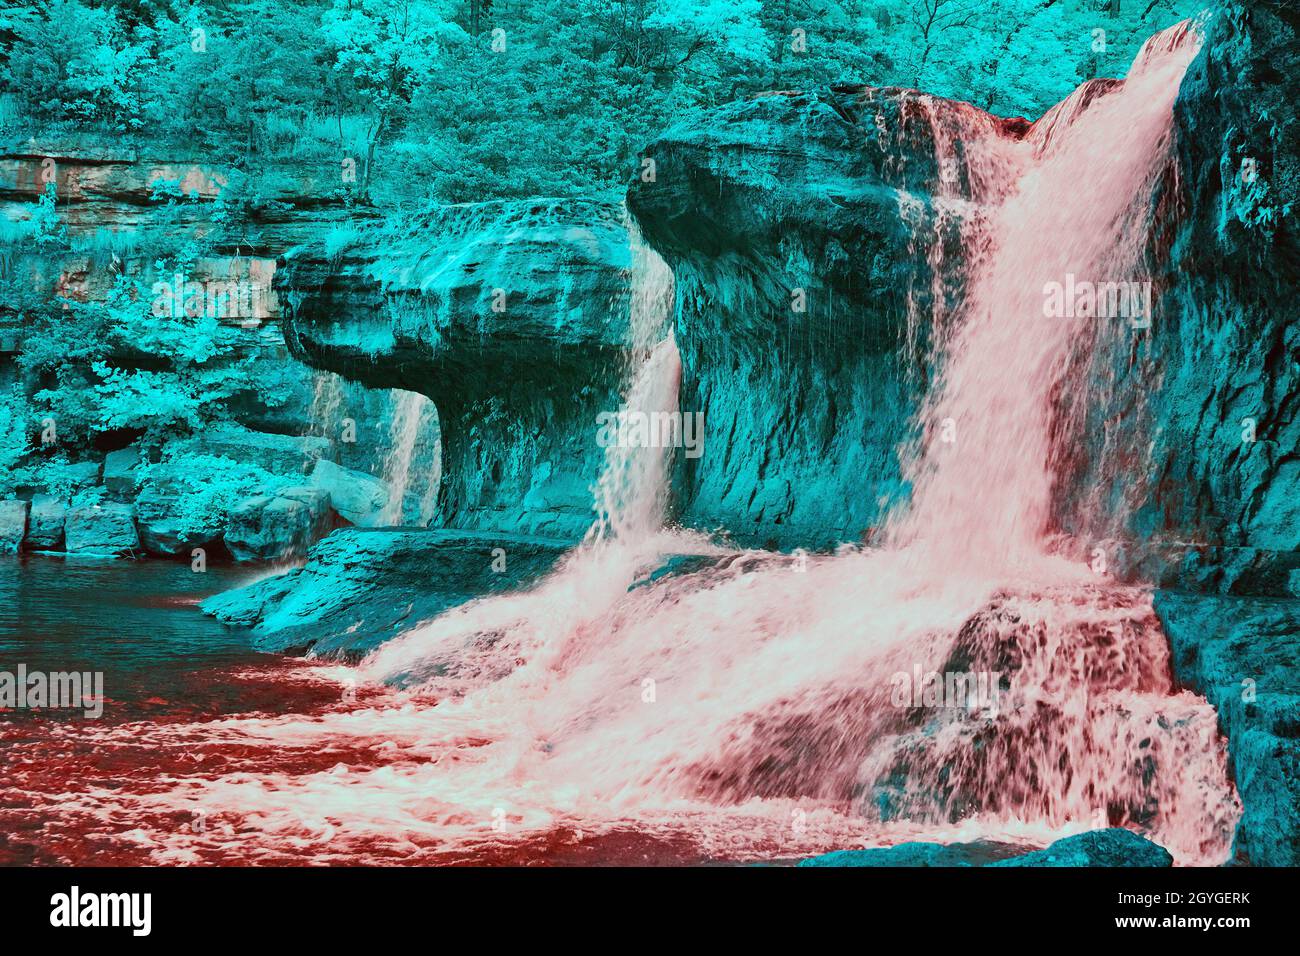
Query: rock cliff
514	317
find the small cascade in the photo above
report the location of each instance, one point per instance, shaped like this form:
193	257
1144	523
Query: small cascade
413	436
631	494
326	403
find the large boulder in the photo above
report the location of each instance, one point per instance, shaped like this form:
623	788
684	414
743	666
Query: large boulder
101	530
277	527
13	525
360	587
513	317
359	498
167	526
45	522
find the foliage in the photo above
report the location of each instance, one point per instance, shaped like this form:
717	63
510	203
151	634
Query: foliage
465	100
198	490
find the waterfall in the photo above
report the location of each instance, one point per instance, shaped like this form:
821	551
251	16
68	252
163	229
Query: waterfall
758	704
326	401
412	419
1079	210
631	494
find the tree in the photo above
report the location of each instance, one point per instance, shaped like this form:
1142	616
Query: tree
933	18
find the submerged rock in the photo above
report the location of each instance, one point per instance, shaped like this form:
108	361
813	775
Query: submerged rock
1112	847
360	587
918	855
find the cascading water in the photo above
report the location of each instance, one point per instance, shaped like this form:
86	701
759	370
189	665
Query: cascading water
326	402
413	418
1080	207
767	706
631	494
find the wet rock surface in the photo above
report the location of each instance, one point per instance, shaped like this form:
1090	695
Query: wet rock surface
1243	654
1190	440
359	587
1109	848
798	227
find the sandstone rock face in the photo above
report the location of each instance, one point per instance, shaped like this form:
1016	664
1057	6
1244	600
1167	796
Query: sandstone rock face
102	530
45	523
277	527
797	228
512	316
13	525
103	189
107	196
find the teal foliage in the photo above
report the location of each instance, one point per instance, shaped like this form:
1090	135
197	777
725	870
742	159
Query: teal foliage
466	100
102	366
198	490
144	359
